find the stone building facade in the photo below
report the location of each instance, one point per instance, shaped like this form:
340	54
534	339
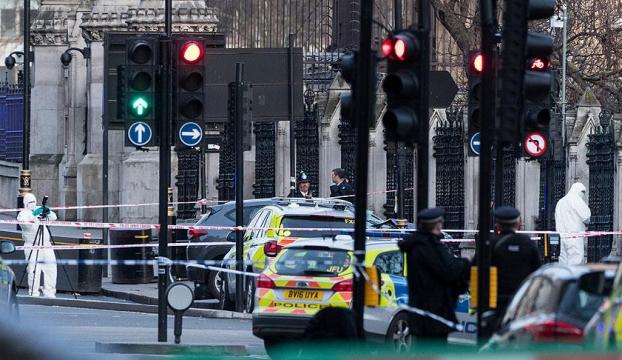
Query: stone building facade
66	131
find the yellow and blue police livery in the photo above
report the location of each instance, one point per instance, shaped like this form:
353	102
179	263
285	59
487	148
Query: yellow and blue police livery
315	273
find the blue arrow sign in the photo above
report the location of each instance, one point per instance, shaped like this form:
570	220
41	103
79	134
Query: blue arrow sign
475	143
139	133
190	134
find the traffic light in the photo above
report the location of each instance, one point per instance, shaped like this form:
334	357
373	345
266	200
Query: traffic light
138	87
189	89
538	78
475	68
402	85
348	74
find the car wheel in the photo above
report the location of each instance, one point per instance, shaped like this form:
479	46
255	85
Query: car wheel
213	283
225	302
399	334
272	347
249	292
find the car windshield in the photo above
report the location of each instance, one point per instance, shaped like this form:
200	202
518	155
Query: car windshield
578	306
312	262
316	224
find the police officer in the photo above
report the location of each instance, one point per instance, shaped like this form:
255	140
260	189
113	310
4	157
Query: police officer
302	187
341	187
515	255
435	277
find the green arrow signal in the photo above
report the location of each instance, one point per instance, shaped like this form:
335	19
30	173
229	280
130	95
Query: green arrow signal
140	106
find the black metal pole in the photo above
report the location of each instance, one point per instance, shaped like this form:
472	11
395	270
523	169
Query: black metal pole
364	100
25	178
105	155
499	160
165	168
26	134
239	190
397	14
423	151
487	116
292	122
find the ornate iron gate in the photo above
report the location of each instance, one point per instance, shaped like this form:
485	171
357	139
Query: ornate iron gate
226	166
509	176
449	155
265	139
308	142
600	159
187	181
11	121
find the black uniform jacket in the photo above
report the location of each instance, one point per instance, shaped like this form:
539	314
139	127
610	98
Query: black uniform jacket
342	189
515	256
435	280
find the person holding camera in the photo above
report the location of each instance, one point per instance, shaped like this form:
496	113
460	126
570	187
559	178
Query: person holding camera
35	234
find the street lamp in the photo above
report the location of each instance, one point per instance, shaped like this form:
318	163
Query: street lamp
561	21
66	57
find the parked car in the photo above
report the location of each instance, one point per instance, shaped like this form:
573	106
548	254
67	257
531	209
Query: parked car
553	305
207	283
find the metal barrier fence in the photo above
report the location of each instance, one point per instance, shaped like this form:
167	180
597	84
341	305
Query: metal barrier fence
11	121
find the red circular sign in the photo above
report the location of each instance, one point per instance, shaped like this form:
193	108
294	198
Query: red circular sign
535	144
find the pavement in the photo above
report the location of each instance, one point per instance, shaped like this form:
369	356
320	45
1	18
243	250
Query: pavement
105	334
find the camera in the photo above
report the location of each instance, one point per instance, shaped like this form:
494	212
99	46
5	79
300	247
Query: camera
44	209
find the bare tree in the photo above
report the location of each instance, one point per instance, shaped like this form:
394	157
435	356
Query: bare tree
594	43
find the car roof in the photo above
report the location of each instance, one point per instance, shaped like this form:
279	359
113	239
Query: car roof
568	272
341	242
297	210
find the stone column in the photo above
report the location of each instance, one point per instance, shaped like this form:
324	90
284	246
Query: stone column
47	123
616	248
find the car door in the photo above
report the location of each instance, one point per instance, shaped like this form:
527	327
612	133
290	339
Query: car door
230	257
394	289
254	246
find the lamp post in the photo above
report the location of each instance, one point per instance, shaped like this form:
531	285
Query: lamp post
561	21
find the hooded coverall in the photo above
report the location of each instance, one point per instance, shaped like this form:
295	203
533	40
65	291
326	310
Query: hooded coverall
571	215
38	260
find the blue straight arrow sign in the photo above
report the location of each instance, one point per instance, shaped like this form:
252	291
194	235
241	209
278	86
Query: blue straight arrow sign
139	133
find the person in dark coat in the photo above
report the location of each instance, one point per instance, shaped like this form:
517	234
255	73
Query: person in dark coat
303	187
436	278
341	187
515	255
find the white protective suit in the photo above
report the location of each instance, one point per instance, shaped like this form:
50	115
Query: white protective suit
571	215
29	232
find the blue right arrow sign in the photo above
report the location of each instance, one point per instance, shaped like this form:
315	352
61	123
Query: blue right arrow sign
475	143
190	134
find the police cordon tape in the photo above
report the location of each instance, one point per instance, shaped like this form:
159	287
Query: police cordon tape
396	232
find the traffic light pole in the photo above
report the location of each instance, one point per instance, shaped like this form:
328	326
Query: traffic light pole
424	112
364	102
166	115
292	122
239	190
487	116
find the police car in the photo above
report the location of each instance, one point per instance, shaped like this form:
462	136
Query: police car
313	274
276	226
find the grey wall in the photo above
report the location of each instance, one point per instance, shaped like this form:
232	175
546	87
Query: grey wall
9	183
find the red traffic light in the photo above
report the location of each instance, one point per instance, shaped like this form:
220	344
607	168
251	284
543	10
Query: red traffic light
402	46
477	63
191	52
387	47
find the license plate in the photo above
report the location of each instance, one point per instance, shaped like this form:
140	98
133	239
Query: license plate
302	295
